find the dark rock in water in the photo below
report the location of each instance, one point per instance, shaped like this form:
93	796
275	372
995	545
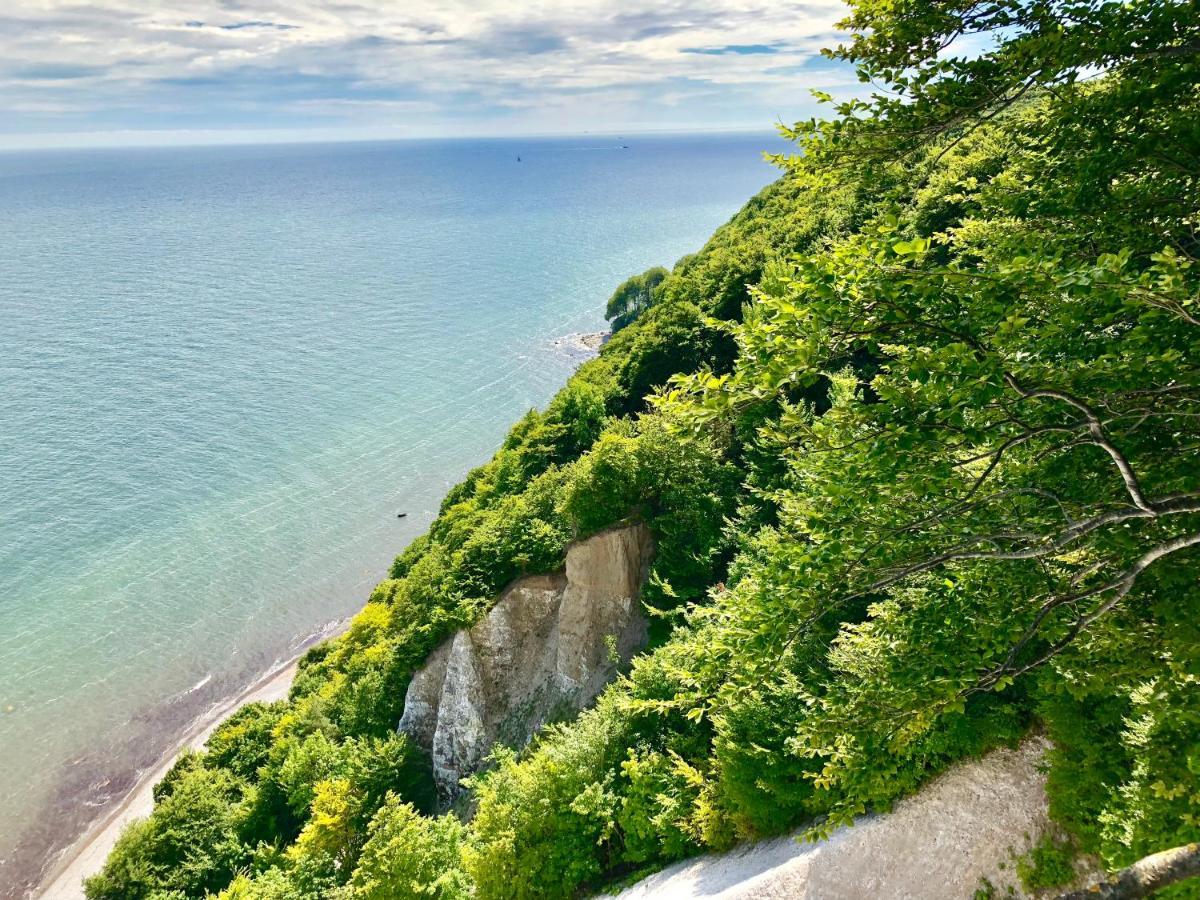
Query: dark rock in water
401	515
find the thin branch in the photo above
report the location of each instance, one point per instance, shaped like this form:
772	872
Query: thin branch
1167	506
1119	588
1099	436
1147	875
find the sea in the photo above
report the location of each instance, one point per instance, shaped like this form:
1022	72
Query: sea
225	373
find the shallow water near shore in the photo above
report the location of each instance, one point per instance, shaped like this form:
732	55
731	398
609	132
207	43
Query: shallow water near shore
224	372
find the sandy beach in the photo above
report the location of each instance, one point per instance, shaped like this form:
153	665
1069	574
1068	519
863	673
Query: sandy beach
64	880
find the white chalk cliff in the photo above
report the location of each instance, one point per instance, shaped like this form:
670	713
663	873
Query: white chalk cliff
544	651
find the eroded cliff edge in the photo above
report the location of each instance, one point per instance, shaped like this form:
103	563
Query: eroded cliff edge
543	652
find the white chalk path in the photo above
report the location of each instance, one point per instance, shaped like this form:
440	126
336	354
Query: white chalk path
938	844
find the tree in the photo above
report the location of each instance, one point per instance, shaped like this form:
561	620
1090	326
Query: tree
191	843
1006	483
633	297
410	856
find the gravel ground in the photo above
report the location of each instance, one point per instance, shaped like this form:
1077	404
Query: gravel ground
939	844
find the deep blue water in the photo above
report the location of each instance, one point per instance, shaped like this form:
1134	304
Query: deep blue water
223	371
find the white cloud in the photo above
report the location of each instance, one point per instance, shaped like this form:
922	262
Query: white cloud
440	65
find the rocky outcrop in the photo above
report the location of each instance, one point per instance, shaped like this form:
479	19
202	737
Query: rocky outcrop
942	843
544	651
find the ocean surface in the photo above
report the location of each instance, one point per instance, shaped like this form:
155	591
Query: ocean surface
224	371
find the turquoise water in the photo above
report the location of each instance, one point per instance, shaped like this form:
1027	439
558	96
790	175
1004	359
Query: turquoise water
223	371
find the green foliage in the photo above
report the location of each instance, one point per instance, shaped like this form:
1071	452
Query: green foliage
306	765
192	842
1050	863
408	856
242	743
330	835
654	805
633	297
274	884
676	337
542	822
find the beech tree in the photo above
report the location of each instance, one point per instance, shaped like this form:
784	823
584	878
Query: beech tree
1006	483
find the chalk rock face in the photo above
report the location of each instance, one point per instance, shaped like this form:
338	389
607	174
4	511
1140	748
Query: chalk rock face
545	650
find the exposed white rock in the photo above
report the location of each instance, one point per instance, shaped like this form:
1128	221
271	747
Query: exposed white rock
963	827
546	648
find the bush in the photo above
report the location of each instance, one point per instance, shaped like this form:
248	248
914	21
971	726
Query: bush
1049	864
408	856
191	843
543	823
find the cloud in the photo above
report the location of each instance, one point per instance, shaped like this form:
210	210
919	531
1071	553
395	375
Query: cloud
737	49
51	71
519	40
278	26
237	26
434	66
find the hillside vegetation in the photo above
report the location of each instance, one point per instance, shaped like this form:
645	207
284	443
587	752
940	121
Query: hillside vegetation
918	436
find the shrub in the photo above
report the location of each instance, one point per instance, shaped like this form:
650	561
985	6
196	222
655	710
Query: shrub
408	856
542	823
191	843
1050	863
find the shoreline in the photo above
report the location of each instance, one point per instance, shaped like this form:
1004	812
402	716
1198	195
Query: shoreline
587	343
63	879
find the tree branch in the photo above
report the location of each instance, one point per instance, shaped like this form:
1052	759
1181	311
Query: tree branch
1175	505
1144	877
1099	436
1118	587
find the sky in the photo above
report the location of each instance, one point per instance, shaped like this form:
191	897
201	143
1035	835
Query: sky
117	72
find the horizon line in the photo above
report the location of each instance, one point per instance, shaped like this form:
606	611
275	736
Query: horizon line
130	139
